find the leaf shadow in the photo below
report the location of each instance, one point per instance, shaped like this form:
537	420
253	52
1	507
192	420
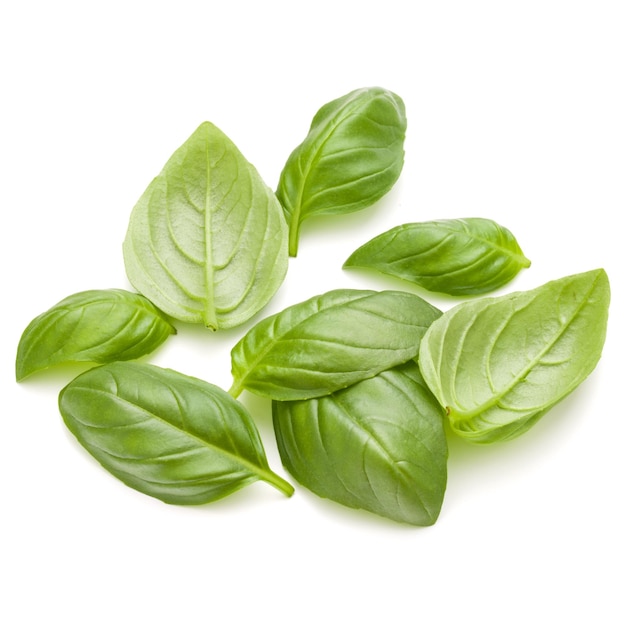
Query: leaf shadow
475	467
336	228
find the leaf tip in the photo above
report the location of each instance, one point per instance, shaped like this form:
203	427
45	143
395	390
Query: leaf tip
22	371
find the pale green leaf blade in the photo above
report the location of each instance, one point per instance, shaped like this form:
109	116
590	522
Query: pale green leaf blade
351	157
170	436
458	256
207	241
498	364
95	326
378	445
329	342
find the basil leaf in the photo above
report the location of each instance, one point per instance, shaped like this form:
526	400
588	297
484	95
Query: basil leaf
94	326
378	445
207	241
458	257
498	364
351	157
170	436
329	342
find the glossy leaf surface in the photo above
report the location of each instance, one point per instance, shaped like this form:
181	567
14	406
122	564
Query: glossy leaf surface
351	157
498	364
96	326
378	445
458	257
207	241
329	342
170	436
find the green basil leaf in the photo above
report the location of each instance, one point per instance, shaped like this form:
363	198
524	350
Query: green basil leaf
351	157
207	241
458	257
94	326
378	445
170	436
498	364
329	342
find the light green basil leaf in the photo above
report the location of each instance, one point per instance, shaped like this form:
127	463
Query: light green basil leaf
378	445
351	157
458	257
329	342
170	436
96	326
207	241
498	364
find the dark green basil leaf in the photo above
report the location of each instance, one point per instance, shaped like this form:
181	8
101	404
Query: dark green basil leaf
207	241
458	257
329	342
498	364
170	436
351	157
94	326
378	445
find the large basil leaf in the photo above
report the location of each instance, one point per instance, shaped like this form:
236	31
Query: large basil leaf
207	241
498	364
351	157
94	326
329	342
168	435
378	445
457	257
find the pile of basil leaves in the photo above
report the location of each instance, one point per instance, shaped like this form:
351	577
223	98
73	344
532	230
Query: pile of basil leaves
362	383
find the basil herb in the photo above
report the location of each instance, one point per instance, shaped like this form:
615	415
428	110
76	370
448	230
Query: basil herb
330	342
207	241
170	436
378	445
458	257
498	364
94	326
351	157
362	382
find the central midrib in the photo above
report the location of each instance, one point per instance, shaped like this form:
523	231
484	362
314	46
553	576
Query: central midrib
209	313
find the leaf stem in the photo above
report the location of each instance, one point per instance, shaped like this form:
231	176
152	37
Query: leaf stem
280	483
235	389
294	235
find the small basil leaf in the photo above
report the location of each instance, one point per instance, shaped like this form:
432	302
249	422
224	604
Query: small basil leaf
498	364
458	257
94	326
329	342
351	157
170	436
378	445
207	241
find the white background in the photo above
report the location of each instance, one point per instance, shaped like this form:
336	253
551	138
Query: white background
517	112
